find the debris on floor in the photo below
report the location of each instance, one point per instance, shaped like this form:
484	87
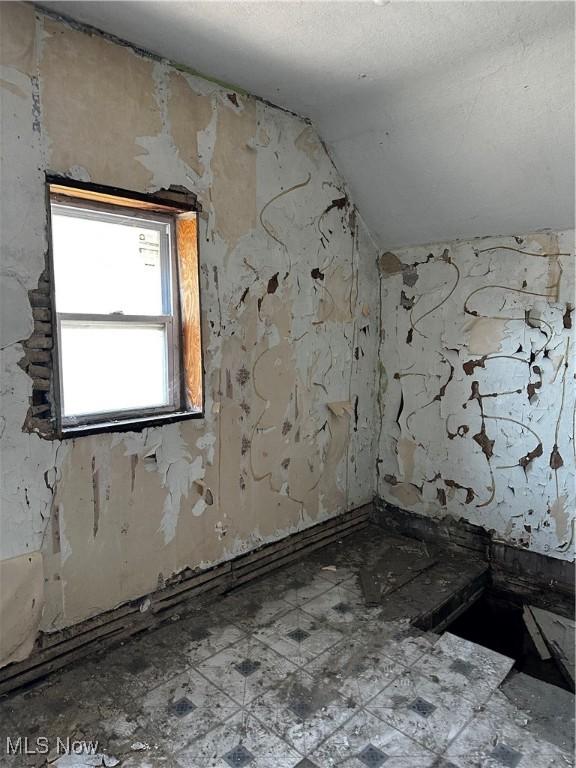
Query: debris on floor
86	761
549	710
559	635
138	746
535	634
395	568
297	670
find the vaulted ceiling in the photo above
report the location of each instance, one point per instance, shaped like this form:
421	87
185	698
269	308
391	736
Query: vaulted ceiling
447	119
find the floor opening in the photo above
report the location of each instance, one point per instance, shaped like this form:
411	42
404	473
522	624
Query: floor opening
495	621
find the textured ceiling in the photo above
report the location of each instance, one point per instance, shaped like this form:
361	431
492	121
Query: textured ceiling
447	119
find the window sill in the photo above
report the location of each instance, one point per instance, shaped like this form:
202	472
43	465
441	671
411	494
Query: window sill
128	425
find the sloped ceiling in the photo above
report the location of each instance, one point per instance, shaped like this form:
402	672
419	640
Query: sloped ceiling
447	119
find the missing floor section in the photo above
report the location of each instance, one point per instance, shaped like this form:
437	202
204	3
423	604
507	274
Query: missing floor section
496	621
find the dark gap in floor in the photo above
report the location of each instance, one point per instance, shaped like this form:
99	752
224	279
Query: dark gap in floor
495	621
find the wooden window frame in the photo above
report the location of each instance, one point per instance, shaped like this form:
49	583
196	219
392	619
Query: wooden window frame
176	212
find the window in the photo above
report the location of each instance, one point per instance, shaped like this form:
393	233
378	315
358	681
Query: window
126	309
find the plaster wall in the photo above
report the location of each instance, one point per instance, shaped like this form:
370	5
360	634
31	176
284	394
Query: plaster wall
476	385
449	120
289	293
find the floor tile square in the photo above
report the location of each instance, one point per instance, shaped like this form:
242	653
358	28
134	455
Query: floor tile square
198	637
250	607
342	607
342	575
467	669
297	574
372	756
152	758
137	666
421	707
70	704
349	743
240	732
399	640
184	708
490	741
353	587
300	708
301	711
223	669
302	594
356	668
505	755
312	638
238	757
462	667
247	667
422	710
339	607
557	726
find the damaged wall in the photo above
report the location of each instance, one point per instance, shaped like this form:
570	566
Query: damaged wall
289	296
476	391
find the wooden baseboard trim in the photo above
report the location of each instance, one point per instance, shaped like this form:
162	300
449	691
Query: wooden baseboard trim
58	649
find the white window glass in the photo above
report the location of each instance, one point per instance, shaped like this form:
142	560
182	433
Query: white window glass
109	367
108	264
118	341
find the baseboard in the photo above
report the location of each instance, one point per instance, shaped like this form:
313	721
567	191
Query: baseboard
530	574
57	649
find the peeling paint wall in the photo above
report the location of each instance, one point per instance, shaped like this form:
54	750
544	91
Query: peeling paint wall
476	391
290	321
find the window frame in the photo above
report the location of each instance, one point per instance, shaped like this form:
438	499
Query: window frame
162	214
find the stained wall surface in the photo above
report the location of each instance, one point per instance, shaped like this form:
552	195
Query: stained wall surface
448	120
290	323
476	390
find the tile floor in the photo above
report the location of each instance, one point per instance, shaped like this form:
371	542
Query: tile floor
291	672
